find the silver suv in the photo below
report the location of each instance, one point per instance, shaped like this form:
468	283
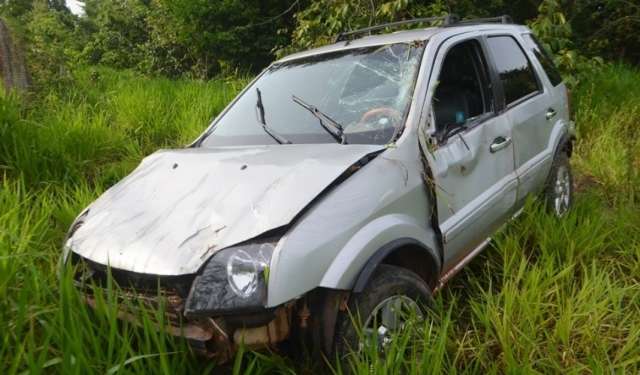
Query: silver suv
351	180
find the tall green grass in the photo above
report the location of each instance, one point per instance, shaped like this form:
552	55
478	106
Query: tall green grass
549	295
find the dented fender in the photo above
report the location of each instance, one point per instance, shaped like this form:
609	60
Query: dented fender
329	244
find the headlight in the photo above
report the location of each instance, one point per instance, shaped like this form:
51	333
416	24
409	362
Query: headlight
244	270
234	279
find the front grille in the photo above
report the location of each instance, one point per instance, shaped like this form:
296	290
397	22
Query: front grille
89	272
134	293
160	299
163	307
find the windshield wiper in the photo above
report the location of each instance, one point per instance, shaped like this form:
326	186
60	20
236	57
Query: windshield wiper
267	129
330	125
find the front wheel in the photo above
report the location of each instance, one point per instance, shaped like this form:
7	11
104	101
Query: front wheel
558	193
392	296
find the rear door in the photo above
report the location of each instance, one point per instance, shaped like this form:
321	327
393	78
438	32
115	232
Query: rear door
472	151
528	106
554	88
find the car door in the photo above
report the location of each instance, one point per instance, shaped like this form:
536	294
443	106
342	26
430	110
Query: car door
528	106
470	148
557	114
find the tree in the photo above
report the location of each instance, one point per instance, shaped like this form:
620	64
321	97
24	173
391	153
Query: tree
616	36
49	42
197	37
217	34
118	31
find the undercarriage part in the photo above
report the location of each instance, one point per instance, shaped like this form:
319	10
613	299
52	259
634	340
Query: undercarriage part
303	315
324	305
275	332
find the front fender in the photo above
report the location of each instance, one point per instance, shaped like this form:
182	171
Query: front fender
378	234
384	200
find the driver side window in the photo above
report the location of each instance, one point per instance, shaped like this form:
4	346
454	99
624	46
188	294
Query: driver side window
463	95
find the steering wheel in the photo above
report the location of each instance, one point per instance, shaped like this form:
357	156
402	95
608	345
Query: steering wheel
383	115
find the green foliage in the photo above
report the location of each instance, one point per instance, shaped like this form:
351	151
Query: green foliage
49	44
200	38
226	33
16	8
556	33
118	32
102	126
205	38
607	28
577	53
44	30
322	20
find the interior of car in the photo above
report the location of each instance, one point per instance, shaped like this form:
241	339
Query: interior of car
463	93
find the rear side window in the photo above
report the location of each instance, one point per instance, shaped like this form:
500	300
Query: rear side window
545	59
516	73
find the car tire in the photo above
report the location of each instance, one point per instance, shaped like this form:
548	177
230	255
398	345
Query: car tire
558	192
388	283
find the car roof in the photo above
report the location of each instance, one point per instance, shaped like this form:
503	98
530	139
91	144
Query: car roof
404	36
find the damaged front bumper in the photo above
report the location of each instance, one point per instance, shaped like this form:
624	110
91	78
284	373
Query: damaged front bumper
213	337
160	302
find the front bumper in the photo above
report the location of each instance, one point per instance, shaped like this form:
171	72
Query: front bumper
211	337
216	337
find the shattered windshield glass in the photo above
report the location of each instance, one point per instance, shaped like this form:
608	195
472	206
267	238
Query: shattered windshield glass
364	92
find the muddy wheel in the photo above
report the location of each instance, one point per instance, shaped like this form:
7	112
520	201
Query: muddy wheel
558	193
392	297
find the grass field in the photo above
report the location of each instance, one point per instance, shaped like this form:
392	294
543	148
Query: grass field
548	296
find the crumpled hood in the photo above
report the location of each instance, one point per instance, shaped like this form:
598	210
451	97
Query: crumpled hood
180	206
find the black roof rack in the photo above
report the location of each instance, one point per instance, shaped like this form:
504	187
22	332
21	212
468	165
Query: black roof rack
447	21
505	19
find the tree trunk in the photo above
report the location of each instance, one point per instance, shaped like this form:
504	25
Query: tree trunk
14	70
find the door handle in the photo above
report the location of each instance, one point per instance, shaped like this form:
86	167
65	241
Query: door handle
499	144
551	113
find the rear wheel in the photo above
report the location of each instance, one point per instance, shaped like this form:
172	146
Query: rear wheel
374	317
558	193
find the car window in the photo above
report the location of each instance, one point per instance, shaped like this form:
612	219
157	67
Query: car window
545	59
464	93
367	91
516	74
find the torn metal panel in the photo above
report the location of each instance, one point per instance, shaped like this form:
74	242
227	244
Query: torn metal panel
180	206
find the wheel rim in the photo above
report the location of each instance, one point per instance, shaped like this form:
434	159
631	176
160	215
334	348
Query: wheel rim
387	319
562	191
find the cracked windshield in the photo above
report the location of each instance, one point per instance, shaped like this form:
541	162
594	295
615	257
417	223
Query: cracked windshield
356	96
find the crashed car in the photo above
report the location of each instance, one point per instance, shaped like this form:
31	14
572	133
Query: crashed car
351	180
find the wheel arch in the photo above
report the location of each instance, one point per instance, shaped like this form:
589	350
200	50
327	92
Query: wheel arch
326	303
407	253
566	141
